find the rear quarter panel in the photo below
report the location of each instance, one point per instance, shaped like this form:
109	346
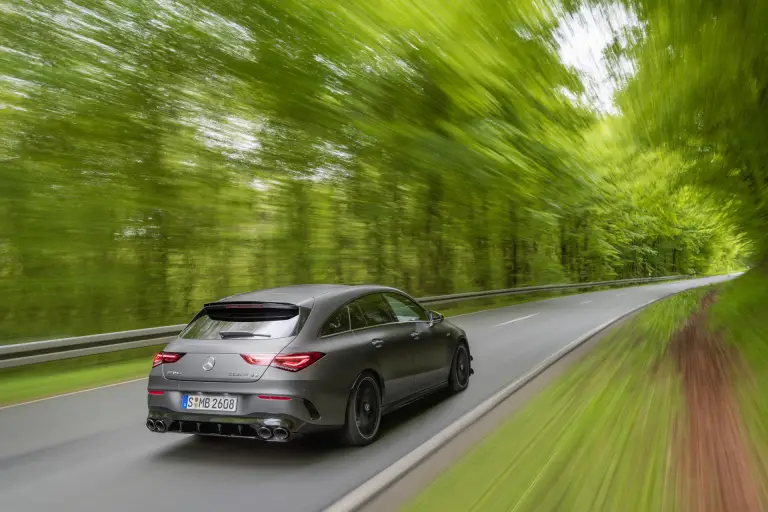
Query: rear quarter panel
330	380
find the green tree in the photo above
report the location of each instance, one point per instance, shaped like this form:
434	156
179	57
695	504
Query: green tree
155	156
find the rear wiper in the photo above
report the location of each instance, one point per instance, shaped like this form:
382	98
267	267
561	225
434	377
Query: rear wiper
243	334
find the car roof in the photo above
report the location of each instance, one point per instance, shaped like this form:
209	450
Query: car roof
322	299
305	294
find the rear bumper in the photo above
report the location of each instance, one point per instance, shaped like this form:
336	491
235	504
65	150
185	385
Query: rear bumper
266	429
250	408
210	423
307	407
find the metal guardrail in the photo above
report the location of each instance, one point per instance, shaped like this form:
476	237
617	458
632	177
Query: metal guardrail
457	297
22	354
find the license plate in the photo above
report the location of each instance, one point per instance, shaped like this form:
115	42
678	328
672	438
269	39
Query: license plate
209	403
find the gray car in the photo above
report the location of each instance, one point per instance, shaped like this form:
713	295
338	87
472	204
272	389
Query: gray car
279	363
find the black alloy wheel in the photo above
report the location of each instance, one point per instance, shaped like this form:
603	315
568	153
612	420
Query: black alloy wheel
363	412
461	369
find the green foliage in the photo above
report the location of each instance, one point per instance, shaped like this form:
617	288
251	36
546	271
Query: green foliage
157	155
701	90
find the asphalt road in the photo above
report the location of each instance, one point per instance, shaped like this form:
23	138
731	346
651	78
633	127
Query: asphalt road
91	452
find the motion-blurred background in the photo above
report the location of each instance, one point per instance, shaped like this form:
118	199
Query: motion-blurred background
155	155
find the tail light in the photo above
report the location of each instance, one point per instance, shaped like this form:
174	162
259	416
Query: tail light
288	362
258	359
296	362
165	358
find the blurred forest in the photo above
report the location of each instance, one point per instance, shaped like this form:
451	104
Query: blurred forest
156	155
700	90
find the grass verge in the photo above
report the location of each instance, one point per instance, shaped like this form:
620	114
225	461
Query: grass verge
48	379
57	377
598	439
603	436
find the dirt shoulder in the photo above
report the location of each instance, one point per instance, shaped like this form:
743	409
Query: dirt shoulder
715	467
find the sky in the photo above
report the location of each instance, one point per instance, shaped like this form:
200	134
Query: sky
583	37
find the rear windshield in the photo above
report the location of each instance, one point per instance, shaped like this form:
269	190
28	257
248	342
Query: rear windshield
216	323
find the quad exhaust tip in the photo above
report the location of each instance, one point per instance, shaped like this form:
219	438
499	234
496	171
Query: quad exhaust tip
281	434
156	425
264	432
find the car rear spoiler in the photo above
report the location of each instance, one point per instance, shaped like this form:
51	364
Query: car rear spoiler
249	311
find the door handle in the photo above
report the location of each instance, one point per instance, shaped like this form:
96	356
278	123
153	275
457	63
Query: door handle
415	335
377	342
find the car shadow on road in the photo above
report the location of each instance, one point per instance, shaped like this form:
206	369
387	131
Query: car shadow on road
400	418
243	452
302	451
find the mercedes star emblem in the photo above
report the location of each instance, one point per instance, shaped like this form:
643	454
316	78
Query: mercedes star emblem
209	363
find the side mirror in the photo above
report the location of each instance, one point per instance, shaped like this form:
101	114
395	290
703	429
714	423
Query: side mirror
435	318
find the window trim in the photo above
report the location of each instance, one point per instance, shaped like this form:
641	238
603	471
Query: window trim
347	304
325	322
352	301
389	308
359	310
426	312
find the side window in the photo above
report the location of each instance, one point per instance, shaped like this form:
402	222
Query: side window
356	318
337	323
375	310
405	309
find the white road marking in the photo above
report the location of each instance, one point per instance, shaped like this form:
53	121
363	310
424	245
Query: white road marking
620	294
585	302
515	320
72	393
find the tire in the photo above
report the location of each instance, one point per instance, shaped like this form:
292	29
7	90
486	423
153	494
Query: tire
458	379
363	417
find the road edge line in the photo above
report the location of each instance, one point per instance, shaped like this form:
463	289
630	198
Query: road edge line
381	481
11	406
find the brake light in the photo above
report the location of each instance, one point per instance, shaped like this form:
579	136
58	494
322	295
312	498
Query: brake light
296	362
166	358
155	392
274	397
288	362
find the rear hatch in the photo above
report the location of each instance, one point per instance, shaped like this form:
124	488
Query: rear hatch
215	341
